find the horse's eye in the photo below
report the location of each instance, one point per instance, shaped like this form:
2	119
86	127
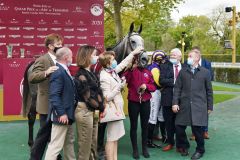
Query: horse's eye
133	42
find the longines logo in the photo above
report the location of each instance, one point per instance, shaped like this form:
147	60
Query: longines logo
28	44
42	29
56	29
68	22
28	36
82	44
3	44
28	28
2	28
82	29
81	37
96	9
14	36
14	44
3	7
2	36
40	45
69	29
14	64
69	37
14	21
14	28
41	36
27	21
69	45
42	22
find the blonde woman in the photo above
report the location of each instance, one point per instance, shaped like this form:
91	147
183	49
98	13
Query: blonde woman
111	85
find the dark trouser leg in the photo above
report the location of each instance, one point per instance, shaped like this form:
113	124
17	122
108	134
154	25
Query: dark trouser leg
31	120
42	138
156	130
150	131
133	110
163	131
198	132
181	137
101	133
169	118
144	115
205	129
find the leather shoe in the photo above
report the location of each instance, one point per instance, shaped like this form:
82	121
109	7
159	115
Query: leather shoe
145	153
135	154
168	147
205	135
196	155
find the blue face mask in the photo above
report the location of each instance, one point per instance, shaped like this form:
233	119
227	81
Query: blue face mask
94	60
190	61
173	61
114	64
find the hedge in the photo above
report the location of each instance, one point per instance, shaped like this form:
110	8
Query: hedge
227	75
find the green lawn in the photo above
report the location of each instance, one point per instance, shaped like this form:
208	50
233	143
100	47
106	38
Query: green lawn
221	88
218	98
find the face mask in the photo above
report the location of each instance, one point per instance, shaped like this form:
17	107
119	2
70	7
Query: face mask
114	64
173	60
190	61
56	48
94	60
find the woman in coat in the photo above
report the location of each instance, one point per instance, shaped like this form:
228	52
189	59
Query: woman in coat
111	85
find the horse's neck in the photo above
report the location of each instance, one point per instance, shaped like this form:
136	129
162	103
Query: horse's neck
121	50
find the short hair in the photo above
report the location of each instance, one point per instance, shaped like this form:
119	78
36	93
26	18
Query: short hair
197	48
84	56
176	50
61	52
105	58
51	38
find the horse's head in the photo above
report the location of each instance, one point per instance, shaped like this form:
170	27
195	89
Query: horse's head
130	42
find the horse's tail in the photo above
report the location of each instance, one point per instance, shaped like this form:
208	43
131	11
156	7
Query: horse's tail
26	93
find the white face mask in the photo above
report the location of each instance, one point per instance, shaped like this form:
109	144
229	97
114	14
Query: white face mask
190	61
173	60
94	60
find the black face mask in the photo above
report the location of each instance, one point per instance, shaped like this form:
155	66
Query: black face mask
56	48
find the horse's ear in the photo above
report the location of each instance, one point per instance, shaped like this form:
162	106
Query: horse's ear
140	29
131	28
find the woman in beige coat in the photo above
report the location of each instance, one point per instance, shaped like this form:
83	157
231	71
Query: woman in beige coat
111	85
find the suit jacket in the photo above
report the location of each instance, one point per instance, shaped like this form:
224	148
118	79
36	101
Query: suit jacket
61	95
167	83
206	64
193	93
38	76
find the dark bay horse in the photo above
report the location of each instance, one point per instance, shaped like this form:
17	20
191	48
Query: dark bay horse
29	102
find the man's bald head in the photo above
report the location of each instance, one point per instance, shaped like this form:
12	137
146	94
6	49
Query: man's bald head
64	55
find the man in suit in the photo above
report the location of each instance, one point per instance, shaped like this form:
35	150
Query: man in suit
206	64
62	107
192	102
168	75
42	68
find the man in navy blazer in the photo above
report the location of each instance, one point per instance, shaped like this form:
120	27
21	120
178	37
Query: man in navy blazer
62	107
206	64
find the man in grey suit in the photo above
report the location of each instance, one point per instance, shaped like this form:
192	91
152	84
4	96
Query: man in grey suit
192	102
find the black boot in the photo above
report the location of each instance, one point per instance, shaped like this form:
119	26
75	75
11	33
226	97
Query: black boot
145	152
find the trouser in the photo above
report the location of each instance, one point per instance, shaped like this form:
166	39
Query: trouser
87	130
205	128
182	140
42	138
101	135
169	118
134	109
62	137
153	130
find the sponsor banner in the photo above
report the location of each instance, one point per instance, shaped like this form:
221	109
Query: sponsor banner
13	70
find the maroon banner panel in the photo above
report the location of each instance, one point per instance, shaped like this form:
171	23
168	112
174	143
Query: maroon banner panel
13	70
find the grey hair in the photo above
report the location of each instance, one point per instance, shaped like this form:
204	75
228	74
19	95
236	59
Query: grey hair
176	50
61	52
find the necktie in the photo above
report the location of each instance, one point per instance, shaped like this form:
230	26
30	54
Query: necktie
176	71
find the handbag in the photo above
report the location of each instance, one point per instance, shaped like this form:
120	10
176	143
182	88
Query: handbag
111	113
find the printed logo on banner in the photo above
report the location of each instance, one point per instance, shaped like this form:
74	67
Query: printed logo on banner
69	29
78	9
82	29
14	36
81	23
27	21
2	28
3	7
14	28
14	21
42	22
3	44
2	36
81	37
82	44
28	28
14	64
28	36
28	44
14	44
40	45
96	34
96	9
69	45
97	23
56	22
98	45
68	22
56	29
69	37
42	29
41	36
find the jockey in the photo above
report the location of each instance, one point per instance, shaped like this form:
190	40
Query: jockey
158	57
